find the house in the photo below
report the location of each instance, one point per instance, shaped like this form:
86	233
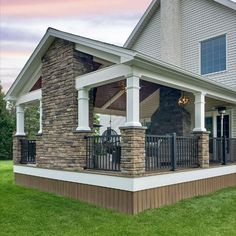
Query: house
176	73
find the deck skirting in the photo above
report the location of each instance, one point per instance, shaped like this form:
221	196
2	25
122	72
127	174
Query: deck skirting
136	199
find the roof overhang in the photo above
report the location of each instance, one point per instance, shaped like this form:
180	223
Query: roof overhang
156	71
105	51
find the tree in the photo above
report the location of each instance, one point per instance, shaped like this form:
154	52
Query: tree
7	126
31	121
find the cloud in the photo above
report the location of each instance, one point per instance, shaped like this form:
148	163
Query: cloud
14	34
24	22
53	8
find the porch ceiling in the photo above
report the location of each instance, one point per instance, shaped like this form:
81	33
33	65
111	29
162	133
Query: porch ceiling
104	94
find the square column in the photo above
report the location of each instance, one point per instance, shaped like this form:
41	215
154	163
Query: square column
132	102
199	112
83	110
20	120
40	117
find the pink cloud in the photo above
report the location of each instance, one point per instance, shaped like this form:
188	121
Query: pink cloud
50	8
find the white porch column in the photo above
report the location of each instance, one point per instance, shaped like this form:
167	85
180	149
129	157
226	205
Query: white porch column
83	110
20	119
40	117
199	112
132	102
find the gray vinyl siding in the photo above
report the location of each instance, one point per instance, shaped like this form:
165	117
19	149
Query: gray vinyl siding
201	20
148	41
233	122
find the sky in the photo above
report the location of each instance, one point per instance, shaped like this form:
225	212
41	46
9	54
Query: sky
24	22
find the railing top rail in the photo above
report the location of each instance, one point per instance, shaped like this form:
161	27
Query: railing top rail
100	136
158	136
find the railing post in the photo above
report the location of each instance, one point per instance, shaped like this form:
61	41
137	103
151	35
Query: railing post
173	151
224	150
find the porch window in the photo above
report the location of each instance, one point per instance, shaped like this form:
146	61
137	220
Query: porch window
213	55
209	125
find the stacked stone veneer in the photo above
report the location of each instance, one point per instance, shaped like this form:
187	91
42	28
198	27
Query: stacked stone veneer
60	146
203	148
170	117
133	151
17	148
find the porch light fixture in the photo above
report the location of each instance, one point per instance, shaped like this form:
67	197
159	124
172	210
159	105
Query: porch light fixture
183	100
221	111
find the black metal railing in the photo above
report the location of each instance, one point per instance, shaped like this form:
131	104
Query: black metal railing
103	152
171	152
222	150
28	151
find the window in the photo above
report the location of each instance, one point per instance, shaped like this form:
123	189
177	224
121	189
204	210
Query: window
209	125
213	55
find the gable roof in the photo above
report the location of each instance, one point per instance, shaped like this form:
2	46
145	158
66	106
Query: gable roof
149	13
35	59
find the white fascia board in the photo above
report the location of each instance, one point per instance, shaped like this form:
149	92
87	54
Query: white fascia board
32	80
94	44
127	183
35	59
29	97
141	24
31	65
227	3
98	53
103	76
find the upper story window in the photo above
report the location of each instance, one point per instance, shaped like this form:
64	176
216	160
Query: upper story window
213	55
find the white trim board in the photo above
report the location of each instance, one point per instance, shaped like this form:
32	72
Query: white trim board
125	183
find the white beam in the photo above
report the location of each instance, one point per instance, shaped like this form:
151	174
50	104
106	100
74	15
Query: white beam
113	99
103	76
30	97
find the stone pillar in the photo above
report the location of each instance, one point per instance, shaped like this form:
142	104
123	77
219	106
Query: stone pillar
40	117
199	112
17	149
83	110
203	148
132	151
132	102
20	119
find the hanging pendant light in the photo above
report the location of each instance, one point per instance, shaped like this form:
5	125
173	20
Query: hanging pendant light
183	100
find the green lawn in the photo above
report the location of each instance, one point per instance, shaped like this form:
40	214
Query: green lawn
30	212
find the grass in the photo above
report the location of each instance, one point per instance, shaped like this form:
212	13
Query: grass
30	212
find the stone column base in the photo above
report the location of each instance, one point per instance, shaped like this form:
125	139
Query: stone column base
17	149
133	150
203	148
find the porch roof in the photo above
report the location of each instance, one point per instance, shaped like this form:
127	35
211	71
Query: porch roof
105	51
125	62
158	72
